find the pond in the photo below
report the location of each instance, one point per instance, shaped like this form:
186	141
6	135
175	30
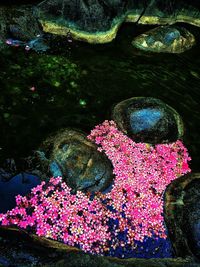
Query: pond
77	85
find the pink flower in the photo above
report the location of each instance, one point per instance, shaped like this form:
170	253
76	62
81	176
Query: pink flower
23	224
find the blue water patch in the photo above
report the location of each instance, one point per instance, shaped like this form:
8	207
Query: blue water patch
19	184
145	119
151	247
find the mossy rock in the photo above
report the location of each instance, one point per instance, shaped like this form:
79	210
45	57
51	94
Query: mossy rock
74	157
165	39
98	21
148	120
182	215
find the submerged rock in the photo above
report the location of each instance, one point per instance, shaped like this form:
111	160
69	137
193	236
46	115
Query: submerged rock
71	155
182	215
149	120
166	39
19	184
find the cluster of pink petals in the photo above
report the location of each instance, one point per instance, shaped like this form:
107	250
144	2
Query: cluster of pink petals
142	173
53	212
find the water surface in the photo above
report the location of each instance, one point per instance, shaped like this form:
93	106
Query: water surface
76	85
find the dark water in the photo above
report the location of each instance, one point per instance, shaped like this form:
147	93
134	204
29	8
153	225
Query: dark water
78	85
20	184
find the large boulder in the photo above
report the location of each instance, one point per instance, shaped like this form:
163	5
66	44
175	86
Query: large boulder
182	215
97	21
149	120
191	215
71	155
165	39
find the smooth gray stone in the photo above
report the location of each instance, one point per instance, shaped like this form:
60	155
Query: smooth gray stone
149	120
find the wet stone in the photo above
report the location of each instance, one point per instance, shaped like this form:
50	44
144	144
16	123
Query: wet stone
9	189
182	215
71	155
149	120
191	216
39	252
167	39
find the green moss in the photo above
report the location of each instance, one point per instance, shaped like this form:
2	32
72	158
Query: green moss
98	37
37	85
